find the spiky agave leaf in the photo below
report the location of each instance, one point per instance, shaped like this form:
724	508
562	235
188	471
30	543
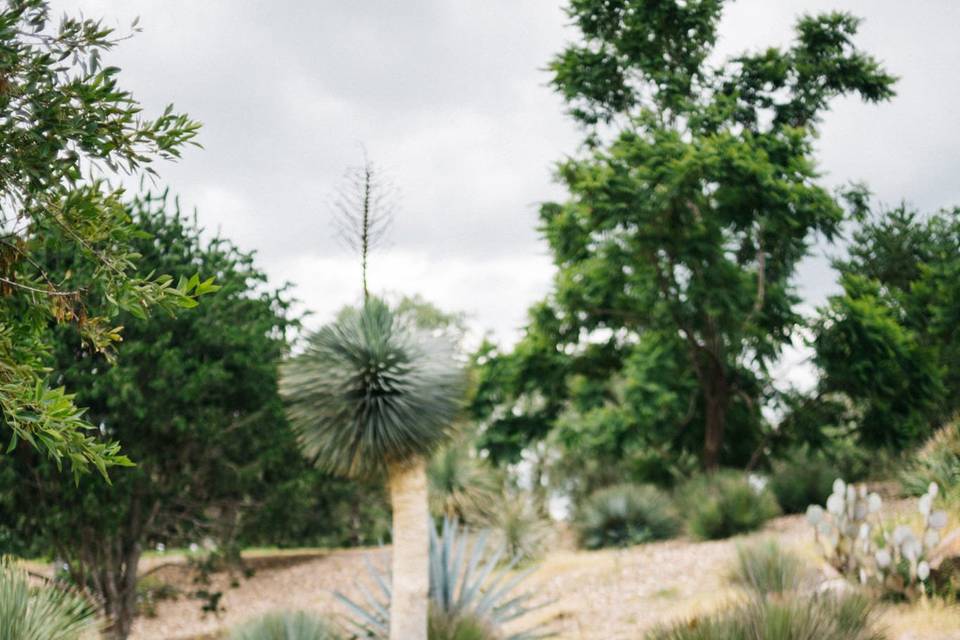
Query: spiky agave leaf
371	390
466	581
40	613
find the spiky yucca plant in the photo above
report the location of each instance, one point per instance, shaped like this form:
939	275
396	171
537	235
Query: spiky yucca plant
370	396
284	625
40	613
466	583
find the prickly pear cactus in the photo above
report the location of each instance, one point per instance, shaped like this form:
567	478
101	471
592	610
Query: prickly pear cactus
856	541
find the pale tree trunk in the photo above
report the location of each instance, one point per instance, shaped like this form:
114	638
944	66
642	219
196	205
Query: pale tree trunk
411	549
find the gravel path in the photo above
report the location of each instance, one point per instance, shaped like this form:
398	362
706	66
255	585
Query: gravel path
602	595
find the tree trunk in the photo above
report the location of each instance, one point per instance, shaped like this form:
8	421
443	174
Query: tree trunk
121	599
716	398
411	542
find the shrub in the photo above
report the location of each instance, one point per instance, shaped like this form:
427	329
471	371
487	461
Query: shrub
40	613
937	461
626	514
726	503
766	568
823	617
802	479
297	625
466	586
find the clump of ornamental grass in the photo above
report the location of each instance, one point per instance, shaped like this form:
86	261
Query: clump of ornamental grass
765	568
938	461
286	625
626	514
461	485
817	617
443	625
519	528
726	503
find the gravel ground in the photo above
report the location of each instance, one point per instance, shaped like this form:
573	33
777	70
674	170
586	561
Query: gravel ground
602	595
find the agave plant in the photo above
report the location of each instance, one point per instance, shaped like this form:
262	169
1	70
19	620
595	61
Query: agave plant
296	625
40	613
373	395
466	582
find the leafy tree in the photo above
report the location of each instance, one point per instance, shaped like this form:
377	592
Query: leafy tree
67	128
193	397
372	396
697	193
889	342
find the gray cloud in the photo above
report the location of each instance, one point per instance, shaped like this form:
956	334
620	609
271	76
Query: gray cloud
451	99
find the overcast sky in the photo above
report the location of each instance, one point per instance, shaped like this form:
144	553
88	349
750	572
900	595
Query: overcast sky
450	97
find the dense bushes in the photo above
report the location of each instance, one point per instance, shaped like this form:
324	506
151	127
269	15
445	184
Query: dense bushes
726	503
298	625
823	617
626	514
801	479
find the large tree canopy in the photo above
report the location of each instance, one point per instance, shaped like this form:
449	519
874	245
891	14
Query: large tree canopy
193	397
695	198
67	127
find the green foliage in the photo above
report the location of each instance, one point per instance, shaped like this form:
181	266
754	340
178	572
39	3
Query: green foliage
47	612
889	342
462	486
684	225
299	625
305	507
868	355
766	568
624	515
68	129
802	478
726	503
466	587
194	396
937	461
823	617
371	390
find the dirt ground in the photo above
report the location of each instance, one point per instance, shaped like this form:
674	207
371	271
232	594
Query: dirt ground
600	595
